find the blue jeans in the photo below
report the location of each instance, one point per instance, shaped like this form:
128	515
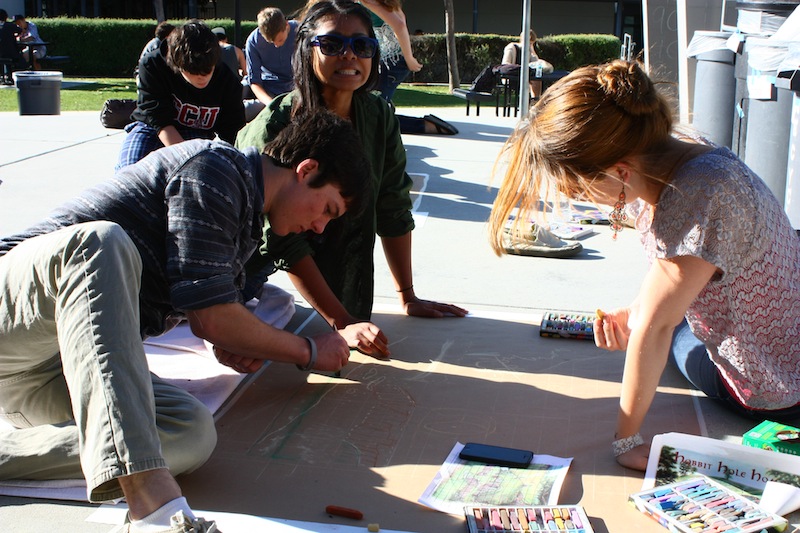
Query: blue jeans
73	374
390	76
692	359
143	139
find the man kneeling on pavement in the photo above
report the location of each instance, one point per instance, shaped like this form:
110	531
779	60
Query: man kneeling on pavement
165	240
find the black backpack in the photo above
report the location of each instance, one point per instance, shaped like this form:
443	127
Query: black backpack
116	113
485	82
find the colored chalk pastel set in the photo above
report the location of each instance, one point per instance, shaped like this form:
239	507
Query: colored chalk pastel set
699	505
567	325
502	519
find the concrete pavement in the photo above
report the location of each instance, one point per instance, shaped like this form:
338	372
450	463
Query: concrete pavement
47	159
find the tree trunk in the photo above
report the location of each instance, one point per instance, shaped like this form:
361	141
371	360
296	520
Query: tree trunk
158	7
452	57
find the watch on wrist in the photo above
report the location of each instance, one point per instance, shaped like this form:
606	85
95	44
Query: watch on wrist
313	359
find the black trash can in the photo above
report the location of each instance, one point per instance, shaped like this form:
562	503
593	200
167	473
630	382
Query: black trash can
714	87
768	118
38	92
757	18
740	102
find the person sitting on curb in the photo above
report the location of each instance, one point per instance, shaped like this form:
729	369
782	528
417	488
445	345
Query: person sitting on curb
166	239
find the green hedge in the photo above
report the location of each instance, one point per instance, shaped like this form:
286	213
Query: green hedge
106	47
111	47
565	52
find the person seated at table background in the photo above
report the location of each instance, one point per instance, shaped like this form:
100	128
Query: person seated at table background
512	55
232	55
334	271
183	95
9	48
30	34
268	50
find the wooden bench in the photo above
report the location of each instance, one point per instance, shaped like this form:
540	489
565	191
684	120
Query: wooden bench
477	97
54	60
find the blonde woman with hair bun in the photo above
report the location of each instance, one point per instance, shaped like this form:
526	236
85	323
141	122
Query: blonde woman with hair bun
720	299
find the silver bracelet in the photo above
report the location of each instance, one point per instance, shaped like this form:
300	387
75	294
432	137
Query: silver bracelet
313	360
625	445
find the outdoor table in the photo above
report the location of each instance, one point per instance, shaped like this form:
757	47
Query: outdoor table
22	45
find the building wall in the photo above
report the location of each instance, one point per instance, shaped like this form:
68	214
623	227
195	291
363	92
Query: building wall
14	7
548	17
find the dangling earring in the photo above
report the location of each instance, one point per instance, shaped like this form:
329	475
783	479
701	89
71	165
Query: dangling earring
617	215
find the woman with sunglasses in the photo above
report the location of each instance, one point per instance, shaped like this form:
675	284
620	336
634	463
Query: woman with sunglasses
721	295
335	67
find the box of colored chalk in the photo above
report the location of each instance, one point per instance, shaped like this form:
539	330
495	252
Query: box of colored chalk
701	505
567	325
513	518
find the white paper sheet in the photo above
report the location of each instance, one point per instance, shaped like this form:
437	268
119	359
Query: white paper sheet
460	483
241	523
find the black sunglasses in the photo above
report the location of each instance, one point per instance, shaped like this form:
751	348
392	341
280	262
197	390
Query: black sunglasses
335	45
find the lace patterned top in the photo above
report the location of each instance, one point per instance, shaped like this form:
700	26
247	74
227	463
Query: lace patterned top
387	40
748	316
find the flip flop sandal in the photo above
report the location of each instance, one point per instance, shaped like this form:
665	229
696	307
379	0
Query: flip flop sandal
442	127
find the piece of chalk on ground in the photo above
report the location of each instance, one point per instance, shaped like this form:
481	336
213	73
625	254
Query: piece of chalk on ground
344	511
373	528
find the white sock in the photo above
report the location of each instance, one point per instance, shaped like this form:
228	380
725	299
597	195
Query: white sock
158	520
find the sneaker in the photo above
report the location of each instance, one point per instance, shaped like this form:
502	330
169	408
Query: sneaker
180	523
539	242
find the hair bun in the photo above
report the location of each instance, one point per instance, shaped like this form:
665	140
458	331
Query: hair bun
629	87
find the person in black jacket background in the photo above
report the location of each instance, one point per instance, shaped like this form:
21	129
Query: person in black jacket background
183	95
8	48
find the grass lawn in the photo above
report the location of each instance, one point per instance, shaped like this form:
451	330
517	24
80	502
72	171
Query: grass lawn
90	93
